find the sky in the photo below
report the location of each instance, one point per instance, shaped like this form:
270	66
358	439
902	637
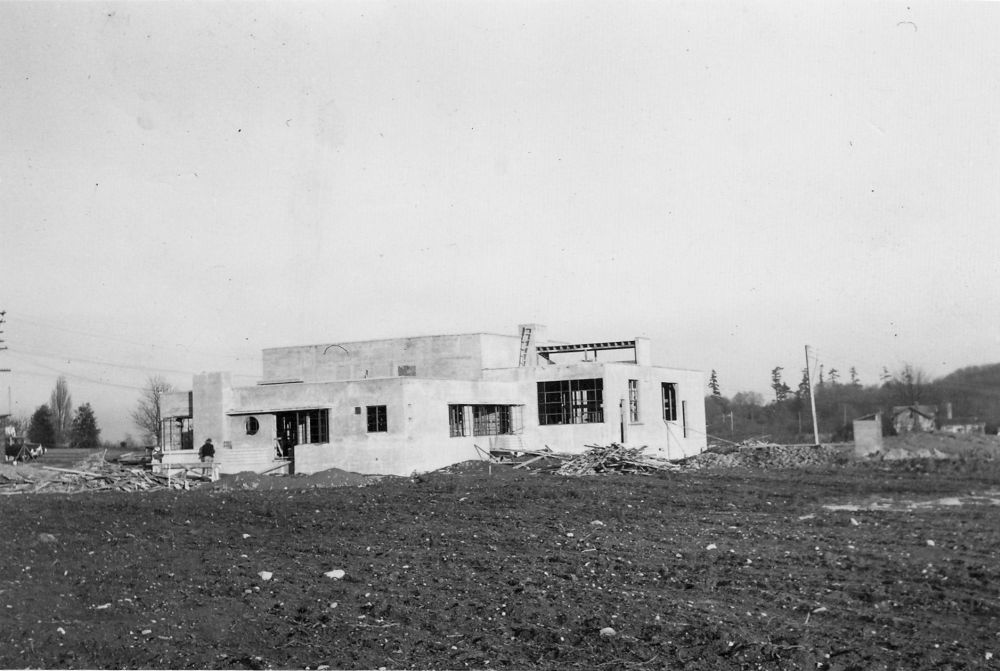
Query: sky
185	184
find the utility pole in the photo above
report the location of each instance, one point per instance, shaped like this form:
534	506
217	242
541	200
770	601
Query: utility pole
812	399
10	409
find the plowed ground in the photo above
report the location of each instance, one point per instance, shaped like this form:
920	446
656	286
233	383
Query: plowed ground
501	568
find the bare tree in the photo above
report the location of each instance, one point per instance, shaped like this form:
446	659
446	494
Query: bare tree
61	407
146	415
911	385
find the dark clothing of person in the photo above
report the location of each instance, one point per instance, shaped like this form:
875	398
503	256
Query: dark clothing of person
207	450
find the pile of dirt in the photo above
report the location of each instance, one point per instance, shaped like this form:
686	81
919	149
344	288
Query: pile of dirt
766	456
940	445
333	477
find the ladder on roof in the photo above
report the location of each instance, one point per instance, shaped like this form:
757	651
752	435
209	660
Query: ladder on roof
525	345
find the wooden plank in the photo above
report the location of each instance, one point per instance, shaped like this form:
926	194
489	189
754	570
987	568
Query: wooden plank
529	461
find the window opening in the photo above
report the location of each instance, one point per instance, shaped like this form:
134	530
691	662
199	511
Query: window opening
490	420
377	422
253	426
571	401
670	401
301	428
633	400
456	420
487	419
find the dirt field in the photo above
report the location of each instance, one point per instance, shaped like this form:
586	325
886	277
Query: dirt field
834	565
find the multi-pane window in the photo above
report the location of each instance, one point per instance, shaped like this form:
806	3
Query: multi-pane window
487	420
670	401
377	421
571	401
456	420
303	427
633	400
490	420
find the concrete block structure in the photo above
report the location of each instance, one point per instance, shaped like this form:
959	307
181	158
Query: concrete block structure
406	405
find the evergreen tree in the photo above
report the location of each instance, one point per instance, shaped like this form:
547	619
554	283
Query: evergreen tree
855	382
40	430
834	375
713	384
780	388
61	407
803	391
85	432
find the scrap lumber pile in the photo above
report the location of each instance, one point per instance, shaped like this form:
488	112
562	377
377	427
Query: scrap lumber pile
613	458
101	476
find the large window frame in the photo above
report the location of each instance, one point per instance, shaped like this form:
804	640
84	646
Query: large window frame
484	419
304	427
378	419
669	401
633	401
571	401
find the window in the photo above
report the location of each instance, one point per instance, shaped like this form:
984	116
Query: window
487	420
633	400
406	371
253	426
571	401
377	419
670	401
456	420
303	427
490	420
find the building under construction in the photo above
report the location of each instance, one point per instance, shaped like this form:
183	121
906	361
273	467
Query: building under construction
416	404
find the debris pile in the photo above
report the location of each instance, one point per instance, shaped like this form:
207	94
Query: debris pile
758	454
98	476
612	458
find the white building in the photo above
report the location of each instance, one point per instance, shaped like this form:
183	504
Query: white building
417	404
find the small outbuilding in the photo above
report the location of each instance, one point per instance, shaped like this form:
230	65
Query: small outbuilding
914	418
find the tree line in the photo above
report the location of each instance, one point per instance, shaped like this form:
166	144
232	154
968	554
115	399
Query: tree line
973	394
56	423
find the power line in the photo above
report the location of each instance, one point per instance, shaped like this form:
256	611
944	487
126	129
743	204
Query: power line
110	364
73	375
37	322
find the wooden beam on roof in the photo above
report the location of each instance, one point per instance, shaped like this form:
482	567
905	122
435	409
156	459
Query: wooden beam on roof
586	347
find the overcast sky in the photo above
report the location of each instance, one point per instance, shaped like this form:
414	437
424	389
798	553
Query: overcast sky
184	184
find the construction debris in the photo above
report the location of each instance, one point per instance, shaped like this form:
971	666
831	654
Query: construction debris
94	476
613	458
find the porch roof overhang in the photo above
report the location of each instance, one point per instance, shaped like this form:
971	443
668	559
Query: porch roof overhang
273	411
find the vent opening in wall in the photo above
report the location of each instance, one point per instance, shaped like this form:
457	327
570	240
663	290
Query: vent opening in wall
253	426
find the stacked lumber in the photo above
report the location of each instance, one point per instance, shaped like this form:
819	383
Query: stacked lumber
104	476
613	458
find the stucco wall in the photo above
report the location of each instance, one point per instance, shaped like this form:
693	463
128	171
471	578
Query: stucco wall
211	395
665	439
446	356
175	404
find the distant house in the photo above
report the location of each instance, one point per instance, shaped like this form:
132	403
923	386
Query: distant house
914	418
962	425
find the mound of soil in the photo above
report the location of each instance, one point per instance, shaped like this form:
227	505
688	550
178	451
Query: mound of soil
333	477
767	456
